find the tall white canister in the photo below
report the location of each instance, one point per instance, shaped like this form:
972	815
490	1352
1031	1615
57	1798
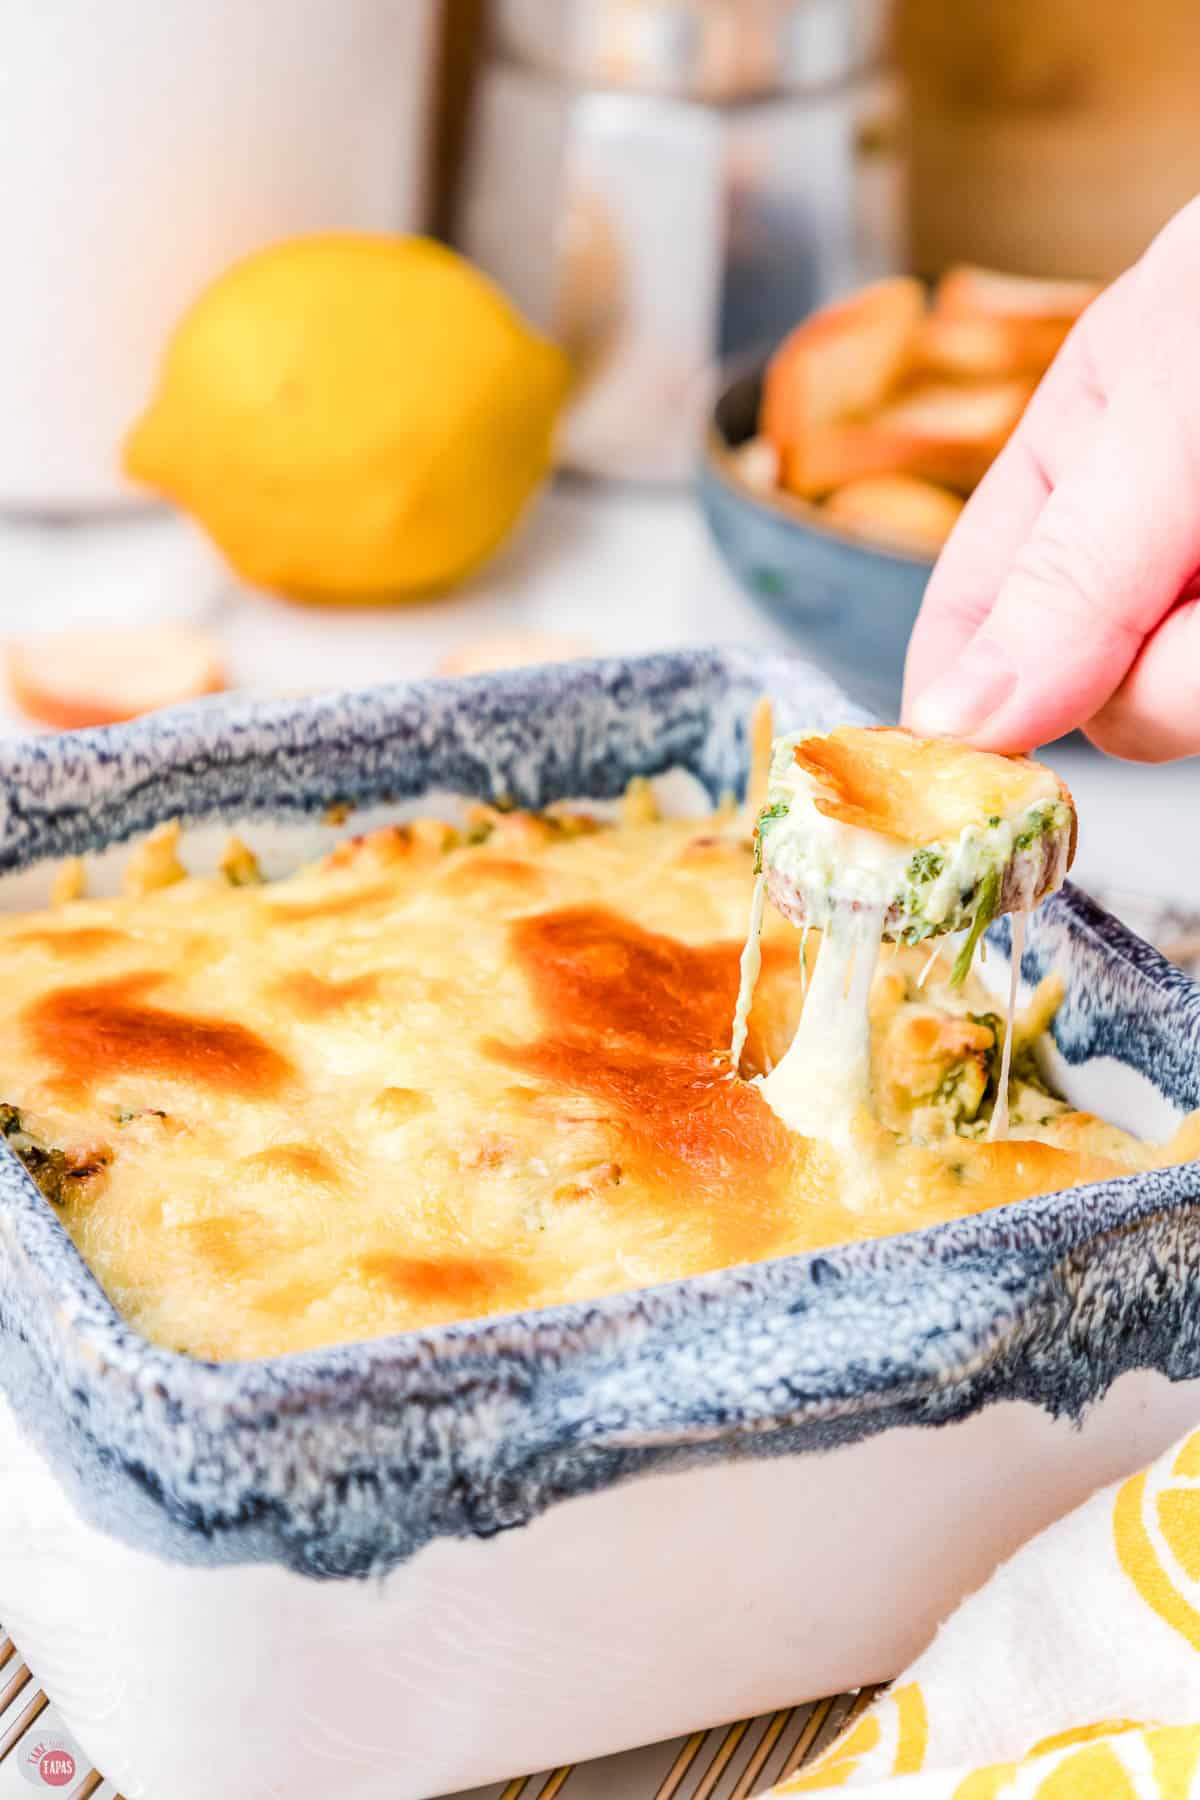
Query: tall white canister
145	144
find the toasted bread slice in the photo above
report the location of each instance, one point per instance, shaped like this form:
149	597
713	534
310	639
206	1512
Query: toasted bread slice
941	431
898	509
842	361
977	348
71	679
916	790
928	830
970	292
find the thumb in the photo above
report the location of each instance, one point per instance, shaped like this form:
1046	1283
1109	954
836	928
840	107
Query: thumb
1109	552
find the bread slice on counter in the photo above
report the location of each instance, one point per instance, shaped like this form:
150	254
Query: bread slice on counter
75	678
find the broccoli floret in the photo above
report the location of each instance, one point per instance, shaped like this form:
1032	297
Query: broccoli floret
926	865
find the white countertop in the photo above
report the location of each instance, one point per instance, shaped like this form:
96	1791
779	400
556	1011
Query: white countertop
629	570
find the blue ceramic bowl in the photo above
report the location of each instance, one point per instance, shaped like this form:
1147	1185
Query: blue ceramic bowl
588	1526
850	603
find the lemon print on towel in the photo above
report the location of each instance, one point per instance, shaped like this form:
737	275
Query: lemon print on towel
1132	1765
889	1740
1156	1525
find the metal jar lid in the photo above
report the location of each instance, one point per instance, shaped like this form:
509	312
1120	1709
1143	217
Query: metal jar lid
718	50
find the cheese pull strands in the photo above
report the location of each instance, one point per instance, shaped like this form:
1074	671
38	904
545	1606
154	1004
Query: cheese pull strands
761	734
998	1127
927	970
749	971
822	1083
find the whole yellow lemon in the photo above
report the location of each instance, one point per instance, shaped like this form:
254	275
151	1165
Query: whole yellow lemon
351	417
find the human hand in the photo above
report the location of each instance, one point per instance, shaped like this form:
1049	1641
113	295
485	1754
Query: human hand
1069	593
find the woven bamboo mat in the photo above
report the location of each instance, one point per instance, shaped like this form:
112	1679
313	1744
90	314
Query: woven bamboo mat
36	1750
731	1762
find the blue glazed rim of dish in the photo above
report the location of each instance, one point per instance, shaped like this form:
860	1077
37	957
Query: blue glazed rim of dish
344	1462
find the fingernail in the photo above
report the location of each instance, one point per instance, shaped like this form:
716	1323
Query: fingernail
959	701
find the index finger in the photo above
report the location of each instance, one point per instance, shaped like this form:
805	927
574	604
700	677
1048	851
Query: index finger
966	578
1001	514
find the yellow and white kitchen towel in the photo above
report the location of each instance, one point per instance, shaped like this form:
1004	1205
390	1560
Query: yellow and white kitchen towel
1073	1674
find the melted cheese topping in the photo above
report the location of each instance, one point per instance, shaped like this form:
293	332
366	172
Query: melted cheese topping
416	1084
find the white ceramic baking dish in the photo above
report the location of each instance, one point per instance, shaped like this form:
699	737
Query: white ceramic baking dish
393	1569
